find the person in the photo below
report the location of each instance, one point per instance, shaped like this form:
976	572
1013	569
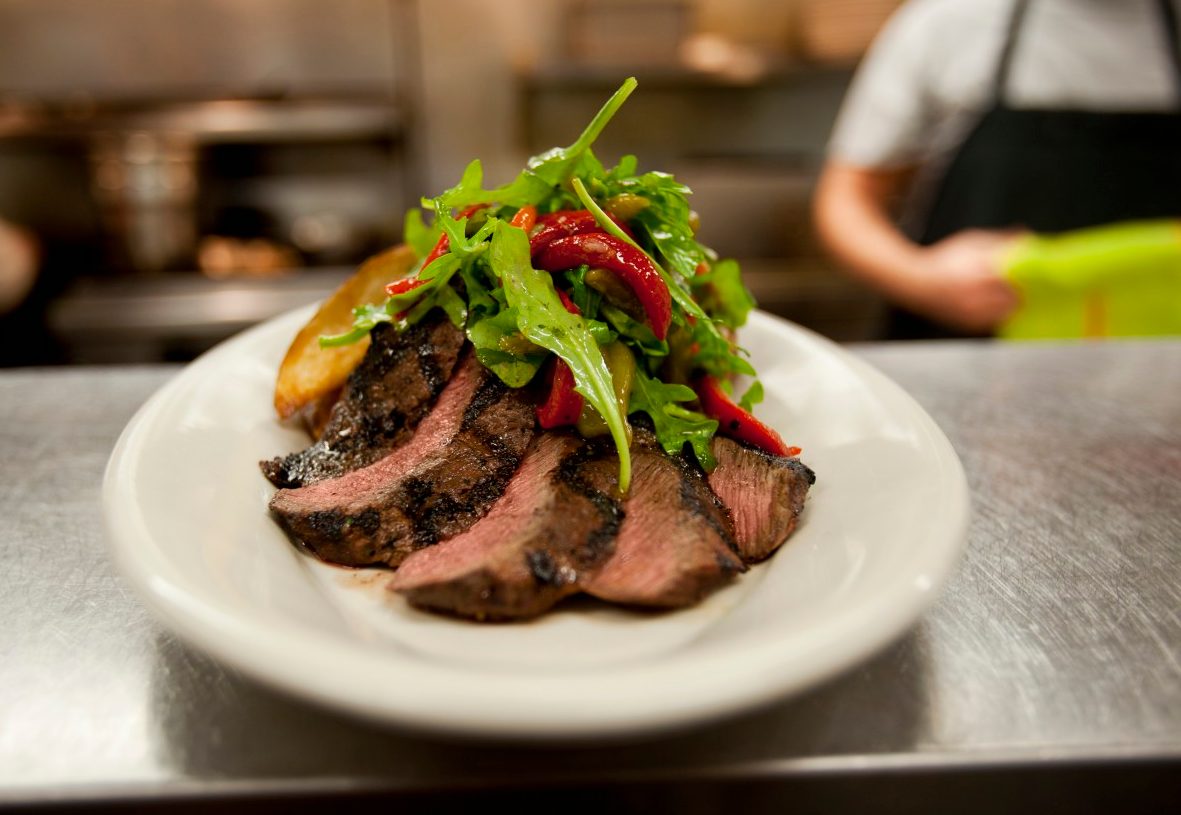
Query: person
973	120
18	266
25	292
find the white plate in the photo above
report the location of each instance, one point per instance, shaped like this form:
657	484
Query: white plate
186	511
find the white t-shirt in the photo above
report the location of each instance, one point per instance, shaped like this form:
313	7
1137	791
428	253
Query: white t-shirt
929	74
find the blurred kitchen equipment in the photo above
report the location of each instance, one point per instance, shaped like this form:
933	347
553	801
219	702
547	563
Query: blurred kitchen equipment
837	32
161	172
145	185
202	140
625	33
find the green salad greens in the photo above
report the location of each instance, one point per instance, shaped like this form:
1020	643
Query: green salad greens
479	265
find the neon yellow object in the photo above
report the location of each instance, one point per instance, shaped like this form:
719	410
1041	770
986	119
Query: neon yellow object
1122	280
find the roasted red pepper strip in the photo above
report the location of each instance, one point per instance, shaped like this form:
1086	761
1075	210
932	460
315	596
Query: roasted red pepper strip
404	285
401	287
627	262
563	404
735	422
570	305
470	210
525	218
443	245
564	223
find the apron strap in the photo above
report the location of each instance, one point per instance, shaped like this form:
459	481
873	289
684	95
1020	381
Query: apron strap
1001	79
1172	39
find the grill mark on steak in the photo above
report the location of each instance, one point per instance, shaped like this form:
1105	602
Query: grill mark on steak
765	495
704	504
676	544
555	523
435	486
486	395
592	473
440	510
400	377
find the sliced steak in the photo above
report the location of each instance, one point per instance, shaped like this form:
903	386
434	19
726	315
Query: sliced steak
556	522
764	493
676	544
436	485
385	398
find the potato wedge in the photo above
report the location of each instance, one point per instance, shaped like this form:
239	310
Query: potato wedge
309	372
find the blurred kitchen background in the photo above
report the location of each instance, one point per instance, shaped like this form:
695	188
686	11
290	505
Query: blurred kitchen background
180	169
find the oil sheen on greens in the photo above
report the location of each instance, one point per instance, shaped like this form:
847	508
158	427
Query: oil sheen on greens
513	317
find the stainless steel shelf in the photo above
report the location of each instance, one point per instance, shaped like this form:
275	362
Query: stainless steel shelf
137	319
213	121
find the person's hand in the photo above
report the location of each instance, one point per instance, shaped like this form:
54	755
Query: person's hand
958	281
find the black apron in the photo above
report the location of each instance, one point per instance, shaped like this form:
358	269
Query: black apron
1052	170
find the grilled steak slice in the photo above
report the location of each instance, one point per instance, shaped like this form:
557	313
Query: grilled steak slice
386	397
436	485
764	493
676	544
556	522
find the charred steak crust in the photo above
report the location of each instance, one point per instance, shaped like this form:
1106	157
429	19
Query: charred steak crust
556	521
591	473
676	544
443	511
765	495
397	382
435	486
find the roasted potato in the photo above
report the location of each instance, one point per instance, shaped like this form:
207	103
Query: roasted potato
309	372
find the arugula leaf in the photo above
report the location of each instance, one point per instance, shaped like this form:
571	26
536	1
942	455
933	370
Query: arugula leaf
444	297
556	166
674	425
724	293
666	220
715	353
544	321
459	243
435	291
545	173
418	236
640	334
470	190
481	296
601	331
497	341
753	395
365	319
676	246
626	168
586	298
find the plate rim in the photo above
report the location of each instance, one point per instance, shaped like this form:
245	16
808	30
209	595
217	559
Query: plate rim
762	677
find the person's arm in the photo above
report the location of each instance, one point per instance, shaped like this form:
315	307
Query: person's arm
957	281
18	265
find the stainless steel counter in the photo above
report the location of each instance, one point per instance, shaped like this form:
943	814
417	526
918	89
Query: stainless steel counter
1048	678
